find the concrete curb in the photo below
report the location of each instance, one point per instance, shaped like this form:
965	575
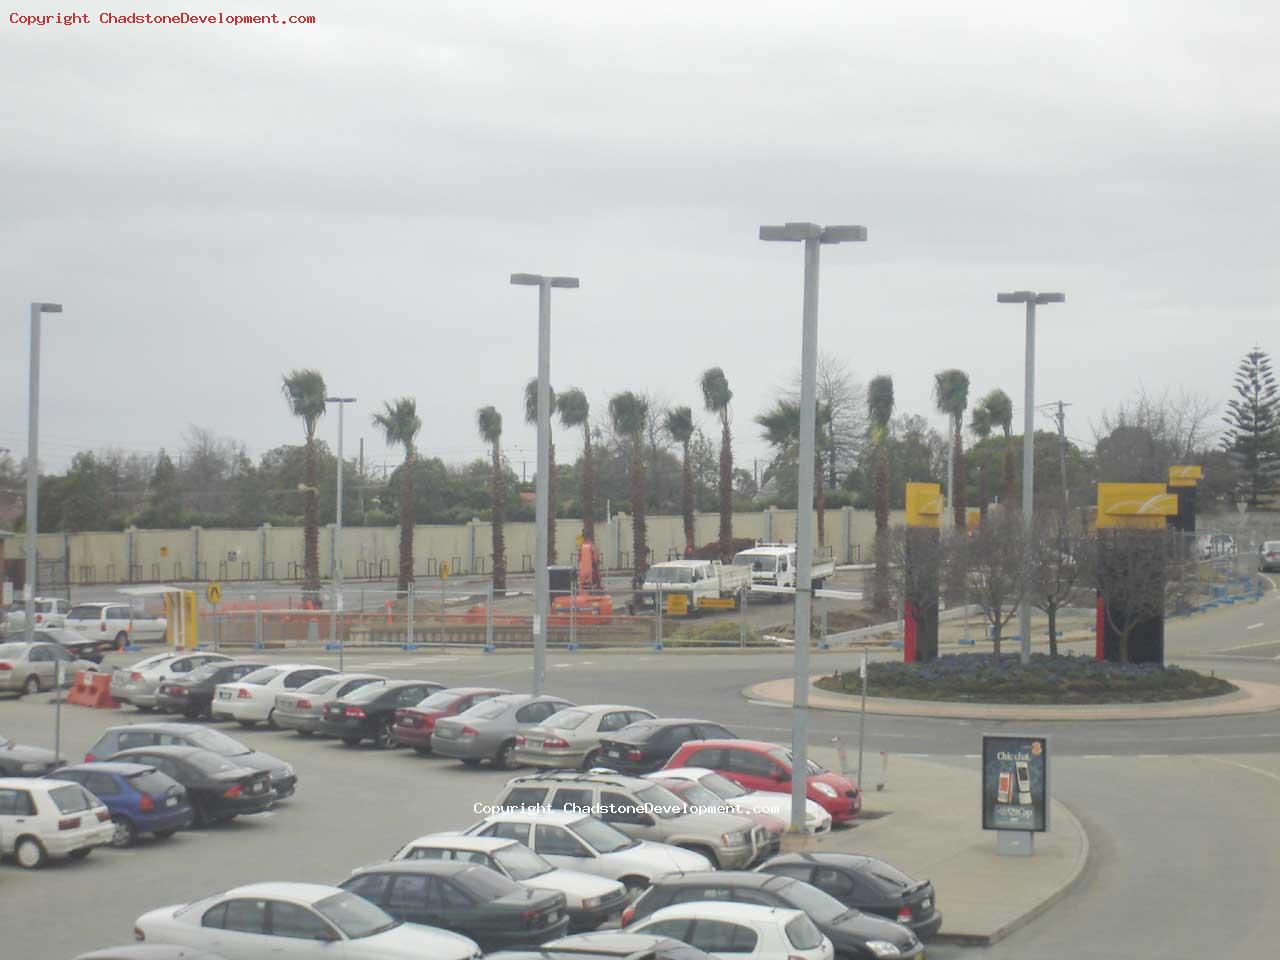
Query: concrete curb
1251	698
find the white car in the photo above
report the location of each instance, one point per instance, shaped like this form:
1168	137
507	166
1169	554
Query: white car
581	842
140	683
32	667
48	612
119	621
589	900
743	931
252	698
40	819
297	920
730	794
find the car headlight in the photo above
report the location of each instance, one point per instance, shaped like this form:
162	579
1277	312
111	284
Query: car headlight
827	790
288	770
883	948
739	839
590	903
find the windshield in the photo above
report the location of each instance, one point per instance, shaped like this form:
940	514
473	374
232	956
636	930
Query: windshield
43	606
354	916
784	757
694	793
803	934
216	741
207	671
520	862
84	613
661	574
259	677
763	564
149	781
320	685
821	906
366	694
602	837
486	884
664	803
440	701
73	798
566	719
722	787
485	711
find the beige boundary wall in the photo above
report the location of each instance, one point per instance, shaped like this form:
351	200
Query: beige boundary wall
275	553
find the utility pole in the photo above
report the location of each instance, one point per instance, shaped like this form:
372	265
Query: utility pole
1060	418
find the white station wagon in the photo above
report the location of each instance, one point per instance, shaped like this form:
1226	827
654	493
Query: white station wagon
119	621
42	818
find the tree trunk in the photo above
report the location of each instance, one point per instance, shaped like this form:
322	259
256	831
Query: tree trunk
639	538
1009	492
984	488
1052	612
407	517
497	493
820	502
551	504
588	487
726	489
686	501
995	641
957	497
880	598
311	524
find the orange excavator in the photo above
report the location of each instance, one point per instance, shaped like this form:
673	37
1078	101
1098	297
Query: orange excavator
590	604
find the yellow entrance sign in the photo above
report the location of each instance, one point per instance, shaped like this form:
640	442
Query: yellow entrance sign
444	571
717	603
214	593
1185	476
1135	505
924	504
677	604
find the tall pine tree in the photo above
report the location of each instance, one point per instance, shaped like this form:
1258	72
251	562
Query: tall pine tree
1252	439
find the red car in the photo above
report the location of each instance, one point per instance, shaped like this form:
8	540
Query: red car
413	725
757	765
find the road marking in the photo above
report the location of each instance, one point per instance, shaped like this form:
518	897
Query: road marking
1096	756
1254	626
973	756
1245	766
1152	756
1246	646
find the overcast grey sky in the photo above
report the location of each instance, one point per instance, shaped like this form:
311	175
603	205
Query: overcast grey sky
215	205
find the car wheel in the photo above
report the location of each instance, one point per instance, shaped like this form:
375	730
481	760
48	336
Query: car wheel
305	733
422	751
29	852
385	738
122	641
502	759
144	709
198	817
705	851
164	834
471	761
193	714
590	759
352	741
248	724
126	834
271	719
32	685
79	854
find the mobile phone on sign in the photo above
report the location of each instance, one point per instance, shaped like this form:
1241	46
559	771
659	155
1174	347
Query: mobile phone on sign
1024	783
1005	788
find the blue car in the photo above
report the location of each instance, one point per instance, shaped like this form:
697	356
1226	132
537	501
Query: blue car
141	798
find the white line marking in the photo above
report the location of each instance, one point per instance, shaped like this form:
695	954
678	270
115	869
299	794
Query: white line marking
915	755
973	756
1152	756
1254	626
1096	756
1245	766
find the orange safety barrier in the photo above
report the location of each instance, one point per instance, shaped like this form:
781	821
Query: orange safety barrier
92	690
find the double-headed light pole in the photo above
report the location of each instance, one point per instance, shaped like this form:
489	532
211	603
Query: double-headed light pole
541	581
1028	445
336	607
813	236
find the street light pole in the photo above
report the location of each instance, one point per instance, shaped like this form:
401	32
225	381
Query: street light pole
813	236
336	607
33	469
541	577
1028	447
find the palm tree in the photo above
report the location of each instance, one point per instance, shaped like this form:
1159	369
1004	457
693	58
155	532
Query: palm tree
980	425
305	392
489	423
880	411
630	413
400	424
951	396
1000	409
782	431
679	424
531	417
575	411
715	397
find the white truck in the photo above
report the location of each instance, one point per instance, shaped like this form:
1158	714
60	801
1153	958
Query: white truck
697	581
774	565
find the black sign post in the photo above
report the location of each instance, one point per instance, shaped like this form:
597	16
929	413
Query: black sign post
1015	791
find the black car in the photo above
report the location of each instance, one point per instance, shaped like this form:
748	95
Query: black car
369	712
644	746
192	696
608	946
866	884
19	761
283	778
849	930
92	649
219	789
466	898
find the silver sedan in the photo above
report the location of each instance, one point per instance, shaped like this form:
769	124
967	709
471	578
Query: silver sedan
488	730
571	738
303	709
30	667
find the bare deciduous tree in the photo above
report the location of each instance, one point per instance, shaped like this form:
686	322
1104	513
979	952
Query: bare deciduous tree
1130	576
991	557
1062	556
